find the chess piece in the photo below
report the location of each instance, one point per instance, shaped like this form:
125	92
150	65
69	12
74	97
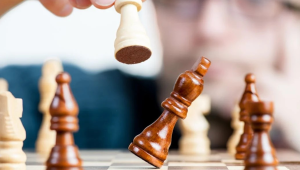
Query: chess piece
250	94
3	85
194	128
153	143
132	45
12	133
64	110
261	153
237	127
47	86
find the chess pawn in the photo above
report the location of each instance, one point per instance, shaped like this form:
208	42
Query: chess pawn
195	127
47	87
237	127
132	45
153	143
12	133
250	94
261	153
64	110
3	85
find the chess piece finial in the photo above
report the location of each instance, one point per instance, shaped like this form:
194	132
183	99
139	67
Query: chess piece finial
153	143
194	128
12	133
261	153
64	111
3	85
237	127
47	87
250	94
132	45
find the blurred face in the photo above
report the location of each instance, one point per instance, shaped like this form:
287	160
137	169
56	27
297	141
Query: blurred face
238	36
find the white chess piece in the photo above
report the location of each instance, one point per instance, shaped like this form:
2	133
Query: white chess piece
47	85
195	127
132	45
3	85
12	133
238	128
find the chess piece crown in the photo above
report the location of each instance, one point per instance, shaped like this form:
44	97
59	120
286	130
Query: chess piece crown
153	143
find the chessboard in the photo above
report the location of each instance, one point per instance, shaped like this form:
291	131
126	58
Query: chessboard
124	160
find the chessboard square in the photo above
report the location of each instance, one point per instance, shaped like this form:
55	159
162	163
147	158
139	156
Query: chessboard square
204	164
242	168
97	163
232	161
193	158
35	167
136	168
197	168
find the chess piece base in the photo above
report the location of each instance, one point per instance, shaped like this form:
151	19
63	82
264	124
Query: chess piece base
240	156
133	54
262	168
145	155
12	166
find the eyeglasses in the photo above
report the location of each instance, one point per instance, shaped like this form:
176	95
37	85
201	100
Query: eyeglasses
253	9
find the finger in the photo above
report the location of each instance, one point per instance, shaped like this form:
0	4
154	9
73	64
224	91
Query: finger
81	4
103	4
58	7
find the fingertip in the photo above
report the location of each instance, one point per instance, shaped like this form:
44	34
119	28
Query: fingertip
60	8
103	4
81	4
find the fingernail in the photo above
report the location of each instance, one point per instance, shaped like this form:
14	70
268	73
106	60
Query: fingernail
66	9
104	2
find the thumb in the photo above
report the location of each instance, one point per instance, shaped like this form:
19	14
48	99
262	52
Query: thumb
60	8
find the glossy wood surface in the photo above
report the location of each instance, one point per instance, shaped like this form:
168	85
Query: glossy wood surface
64	110
152	145
261	153
250	94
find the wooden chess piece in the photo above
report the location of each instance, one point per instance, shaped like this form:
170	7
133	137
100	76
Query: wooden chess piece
12	133
64	110
47	87
237	127
153	143
261	153
194	128
3	85
132	45
250	94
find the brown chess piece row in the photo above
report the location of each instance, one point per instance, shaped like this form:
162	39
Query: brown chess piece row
153	143
64	110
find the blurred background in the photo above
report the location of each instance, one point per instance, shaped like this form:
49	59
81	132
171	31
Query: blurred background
118	101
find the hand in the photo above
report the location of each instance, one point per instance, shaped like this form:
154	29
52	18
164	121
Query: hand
65	7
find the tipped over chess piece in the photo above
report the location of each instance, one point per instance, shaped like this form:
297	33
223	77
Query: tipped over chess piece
64	111
250	94
261	153
47	87
194	128
132	45
152	145
12	133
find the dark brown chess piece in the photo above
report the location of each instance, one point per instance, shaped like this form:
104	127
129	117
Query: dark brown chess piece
250	94
64	110
153	143
261	153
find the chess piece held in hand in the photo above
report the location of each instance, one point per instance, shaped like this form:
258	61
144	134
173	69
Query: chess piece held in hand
64	111
12	133
153	143
132	45
194	128
237	127
47	87
250	94
3	85
261	153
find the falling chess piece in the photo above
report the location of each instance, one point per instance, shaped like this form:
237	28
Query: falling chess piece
12	133
47	86
261	153
132	45
153	143
250	94
3	85
238	127
64	110
194	128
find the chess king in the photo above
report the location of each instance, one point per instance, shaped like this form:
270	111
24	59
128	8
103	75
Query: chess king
153	143
12	133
